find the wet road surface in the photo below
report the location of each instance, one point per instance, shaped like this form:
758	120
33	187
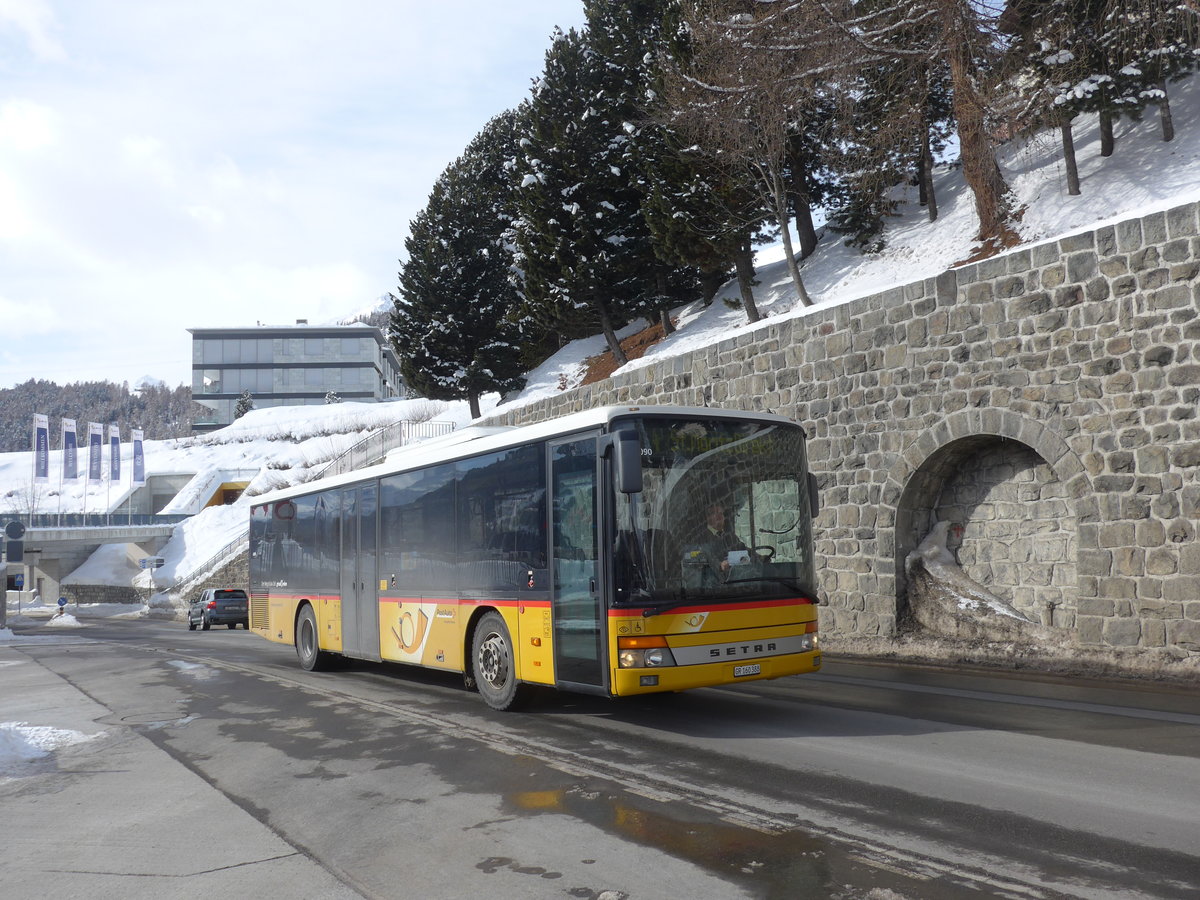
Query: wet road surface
866	781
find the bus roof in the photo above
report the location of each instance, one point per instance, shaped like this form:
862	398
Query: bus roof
478	439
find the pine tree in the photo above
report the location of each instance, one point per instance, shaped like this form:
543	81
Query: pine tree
245	403
454	321
701	214
583	247
1150	44
628	38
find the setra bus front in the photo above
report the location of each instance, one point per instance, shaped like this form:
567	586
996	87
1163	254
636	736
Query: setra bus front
713	578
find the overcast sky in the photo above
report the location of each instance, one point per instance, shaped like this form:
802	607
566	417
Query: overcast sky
167	164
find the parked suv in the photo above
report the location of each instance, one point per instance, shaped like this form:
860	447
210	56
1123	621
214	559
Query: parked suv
219	606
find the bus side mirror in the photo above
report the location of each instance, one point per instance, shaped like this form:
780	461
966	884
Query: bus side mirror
627	460
814	496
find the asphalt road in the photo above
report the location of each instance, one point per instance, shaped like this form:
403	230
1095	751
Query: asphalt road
867	781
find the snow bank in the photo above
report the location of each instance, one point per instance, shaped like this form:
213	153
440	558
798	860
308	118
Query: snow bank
20	741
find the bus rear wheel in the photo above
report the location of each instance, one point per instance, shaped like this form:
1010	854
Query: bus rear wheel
307	646
495	664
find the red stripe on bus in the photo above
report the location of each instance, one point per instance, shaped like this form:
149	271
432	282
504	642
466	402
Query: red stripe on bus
713	607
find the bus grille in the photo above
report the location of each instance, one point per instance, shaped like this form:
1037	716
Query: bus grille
259	608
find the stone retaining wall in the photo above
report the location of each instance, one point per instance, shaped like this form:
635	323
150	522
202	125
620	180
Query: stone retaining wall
1045	401
100	593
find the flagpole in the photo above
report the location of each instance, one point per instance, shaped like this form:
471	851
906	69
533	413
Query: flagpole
108	487
62	462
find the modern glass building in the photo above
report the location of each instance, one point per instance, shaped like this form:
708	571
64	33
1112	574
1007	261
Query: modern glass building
294	365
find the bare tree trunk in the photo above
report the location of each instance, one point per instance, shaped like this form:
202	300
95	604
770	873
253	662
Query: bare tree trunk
925	176
710	283
1107	140
745	276
979	160
664	312
1068	143
1164	113
805	230
785	231
610	334
473	402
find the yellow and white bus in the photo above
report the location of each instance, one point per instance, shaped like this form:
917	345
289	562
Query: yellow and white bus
618	551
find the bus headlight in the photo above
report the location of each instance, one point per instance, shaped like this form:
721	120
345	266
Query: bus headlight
643	653
659	658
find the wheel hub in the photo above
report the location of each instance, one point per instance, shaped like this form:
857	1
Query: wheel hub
493	660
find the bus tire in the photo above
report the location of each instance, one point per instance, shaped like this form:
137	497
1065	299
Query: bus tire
308	651
494	663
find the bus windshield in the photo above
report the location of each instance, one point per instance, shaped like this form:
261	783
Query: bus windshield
723	514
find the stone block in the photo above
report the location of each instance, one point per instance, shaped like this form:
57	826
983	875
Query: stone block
1129	235
1096	606
1154	633
1081	266
1089	629
1179	251
1154	228
1075	242
1182	222
1126	632
1185	634
1182	589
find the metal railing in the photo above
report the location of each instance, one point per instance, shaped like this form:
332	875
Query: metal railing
92	520
370	449
238	545
375	446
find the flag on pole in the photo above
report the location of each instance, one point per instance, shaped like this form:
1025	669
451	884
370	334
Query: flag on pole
41	448
114	453
70	450
95	448
139	458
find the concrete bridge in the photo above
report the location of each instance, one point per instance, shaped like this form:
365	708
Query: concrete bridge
53	546
1045	402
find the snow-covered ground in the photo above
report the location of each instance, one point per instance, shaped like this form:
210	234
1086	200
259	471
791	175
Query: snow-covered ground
282	445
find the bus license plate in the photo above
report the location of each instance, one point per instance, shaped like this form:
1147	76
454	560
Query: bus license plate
753	669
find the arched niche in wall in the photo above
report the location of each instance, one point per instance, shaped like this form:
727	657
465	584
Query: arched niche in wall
1013	495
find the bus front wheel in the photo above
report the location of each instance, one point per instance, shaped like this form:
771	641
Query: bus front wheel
495	664
307	642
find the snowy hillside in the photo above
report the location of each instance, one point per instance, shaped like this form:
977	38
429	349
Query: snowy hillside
1144	175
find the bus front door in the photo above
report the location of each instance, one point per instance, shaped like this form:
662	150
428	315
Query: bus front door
579	648
360	590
